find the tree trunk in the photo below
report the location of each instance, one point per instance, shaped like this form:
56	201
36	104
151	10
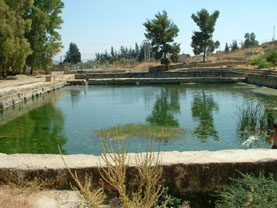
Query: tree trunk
166	65
204	56
31	72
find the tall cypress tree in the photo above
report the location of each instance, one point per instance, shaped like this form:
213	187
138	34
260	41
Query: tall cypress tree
73	54
226	48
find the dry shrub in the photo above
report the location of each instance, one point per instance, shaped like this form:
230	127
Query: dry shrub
18	180
149	172
93	197
146	191
16	193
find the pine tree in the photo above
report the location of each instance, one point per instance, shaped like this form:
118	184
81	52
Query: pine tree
202	41
161	31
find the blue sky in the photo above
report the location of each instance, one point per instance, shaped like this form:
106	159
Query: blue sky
96	25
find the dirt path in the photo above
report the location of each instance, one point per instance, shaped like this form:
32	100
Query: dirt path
20	80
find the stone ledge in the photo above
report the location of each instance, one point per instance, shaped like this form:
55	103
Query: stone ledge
193	172
18	94
137	81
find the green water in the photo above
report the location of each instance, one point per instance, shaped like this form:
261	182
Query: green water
191	117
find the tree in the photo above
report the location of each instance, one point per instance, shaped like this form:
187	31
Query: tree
234	45
44	39
250	40
227	49
112	53
73	54
161	32
176	50
14	47
202	41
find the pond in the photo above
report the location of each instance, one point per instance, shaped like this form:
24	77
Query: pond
178	117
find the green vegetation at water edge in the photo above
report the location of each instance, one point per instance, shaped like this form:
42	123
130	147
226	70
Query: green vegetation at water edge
256	118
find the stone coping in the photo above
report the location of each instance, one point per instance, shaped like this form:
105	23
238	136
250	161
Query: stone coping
48	161
184	172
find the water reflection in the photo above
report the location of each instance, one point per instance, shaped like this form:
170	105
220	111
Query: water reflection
186	116
75	95
202	109
39	131
165	108
161	124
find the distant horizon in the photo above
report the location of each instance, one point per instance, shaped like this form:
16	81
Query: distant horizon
106	24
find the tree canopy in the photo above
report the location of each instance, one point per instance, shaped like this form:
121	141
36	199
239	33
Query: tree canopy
234	45
250	40
161	32
73	54
202	41
227	49
44	39
28	34
14	47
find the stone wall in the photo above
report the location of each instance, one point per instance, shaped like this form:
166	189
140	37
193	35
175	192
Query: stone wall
22	108
184	172
188	76
19	94
262	80
267	78
145	81
189	73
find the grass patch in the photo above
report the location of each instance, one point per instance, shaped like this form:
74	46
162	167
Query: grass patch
140	130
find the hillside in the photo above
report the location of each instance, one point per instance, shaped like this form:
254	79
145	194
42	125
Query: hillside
241	55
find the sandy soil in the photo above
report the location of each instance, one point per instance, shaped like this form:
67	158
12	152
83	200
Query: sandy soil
11	197
19	80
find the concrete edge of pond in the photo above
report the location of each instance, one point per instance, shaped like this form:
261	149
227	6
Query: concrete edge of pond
193	172
14	95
